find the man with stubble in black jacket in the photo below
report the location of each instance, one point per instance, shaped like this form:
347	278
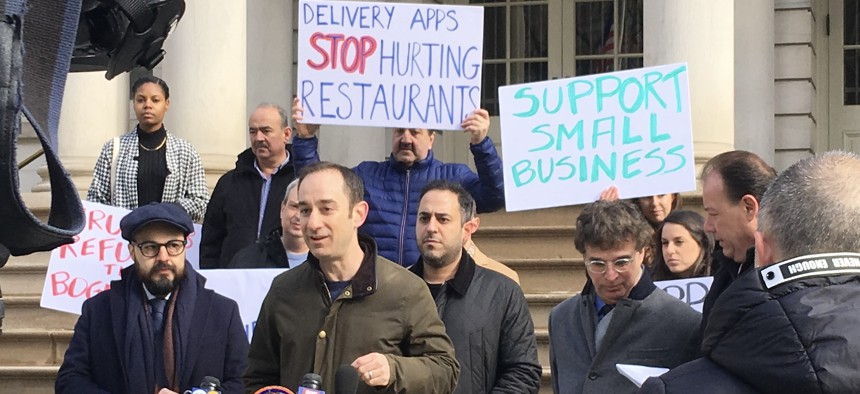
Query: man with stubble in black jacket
485	313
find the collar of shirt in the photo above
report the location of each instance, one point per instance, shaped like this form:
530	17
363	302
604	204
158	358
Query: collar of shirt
264	191
263	175
150	296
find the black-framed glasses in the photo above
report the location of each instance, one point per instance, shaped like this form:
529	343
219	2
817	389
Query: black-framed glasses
600	266
151	249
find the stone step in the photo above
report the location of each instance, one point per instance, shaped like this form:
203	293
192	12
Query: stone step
28	379
545	381
33	347
24	313
542	337
541	304
518	242
547	275
533	218
24	275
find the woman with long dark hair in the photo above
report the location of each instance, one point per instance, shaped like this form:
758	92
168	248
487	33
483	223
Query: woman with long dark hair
683	247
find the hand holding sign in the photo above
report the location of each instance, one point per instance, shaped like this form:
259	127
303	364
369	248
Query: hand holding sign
609	194
304	130
478	124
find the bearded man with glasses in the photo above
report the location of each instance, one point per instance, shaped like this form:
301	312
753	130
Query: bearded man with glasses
157	330
620	316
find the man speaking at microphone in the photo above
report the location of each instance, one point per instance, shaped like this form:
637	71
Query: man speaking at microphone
157	330
347	305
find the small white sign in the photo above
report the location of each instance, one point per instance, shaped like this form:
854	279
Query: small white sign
692	291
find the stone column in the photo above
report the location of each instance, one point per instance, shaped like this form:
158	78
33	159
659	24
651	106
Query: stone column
94	111
206	69
728	47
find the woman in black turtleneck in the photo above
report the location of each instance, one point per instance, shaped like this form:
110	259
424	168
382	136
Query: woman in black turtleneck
152	165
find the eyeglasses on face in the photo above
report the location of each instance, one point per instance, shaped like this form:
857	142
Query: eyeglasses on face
151	249
600	266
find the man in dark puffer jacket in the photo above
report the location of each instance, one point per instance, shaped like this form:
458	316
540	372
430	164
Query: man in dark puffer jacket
792	326
393	187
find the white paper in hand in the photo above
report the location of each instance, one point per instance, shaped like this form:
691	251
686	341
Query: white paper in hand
639	373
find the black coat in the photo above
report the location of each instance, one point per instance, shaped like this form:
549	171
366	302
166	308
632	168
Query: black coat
234	210
725	271
108	352
268	252
801	336
487	318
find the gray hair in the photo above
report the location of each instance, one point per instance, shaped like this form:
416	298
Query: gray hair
285	116
814	207
290	188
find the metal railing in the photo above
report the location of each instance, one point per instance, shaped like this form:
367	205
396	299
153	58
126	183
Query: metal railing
31	158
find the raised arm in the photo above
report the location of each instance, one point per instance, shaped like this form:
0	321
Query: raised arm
306	143
488	187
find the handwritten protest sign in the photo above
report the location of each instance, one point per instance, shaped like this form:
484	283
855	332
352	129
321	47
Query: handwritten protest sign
389	64
692	291
86	267
566	140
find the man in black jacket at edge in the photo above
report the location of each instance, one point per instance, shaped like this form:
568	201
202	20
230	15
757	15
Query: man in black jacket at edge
791	325
485	313
732	187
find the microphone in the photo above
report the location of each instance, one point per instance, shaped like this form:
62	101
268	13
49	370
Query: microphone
208	385
311	384
274	390
345	380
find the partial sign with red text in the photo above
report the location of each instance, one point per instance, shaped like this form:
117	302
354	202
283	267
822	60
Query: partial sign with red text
86	267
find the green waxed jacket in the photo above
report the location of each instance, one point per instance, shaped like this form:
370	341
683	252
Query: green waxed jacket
386	309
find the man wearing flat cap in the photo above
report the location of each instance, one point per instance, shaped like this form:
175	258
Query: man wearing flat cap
157	330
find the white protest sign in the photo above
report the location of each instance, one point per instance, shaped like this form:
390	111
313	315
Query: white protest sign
389	64
247	286
86	267
566	140
692	291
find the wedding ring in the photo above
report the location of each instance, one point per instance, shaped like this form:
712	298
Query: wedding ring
369	375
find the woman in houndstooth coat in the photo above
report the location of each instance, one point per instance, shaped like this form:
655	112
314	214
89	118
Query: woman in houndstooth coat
149	164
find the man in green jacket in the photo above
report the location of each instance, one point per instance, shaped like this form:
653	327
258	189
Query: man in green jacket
348	306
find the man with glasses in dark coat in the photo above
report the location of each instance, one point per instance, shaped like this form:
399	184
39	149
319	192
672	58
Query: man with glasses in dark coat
157	330
620	316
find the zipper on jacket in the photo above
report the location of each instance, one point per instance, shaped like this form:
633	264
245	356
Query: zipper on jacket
403	221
